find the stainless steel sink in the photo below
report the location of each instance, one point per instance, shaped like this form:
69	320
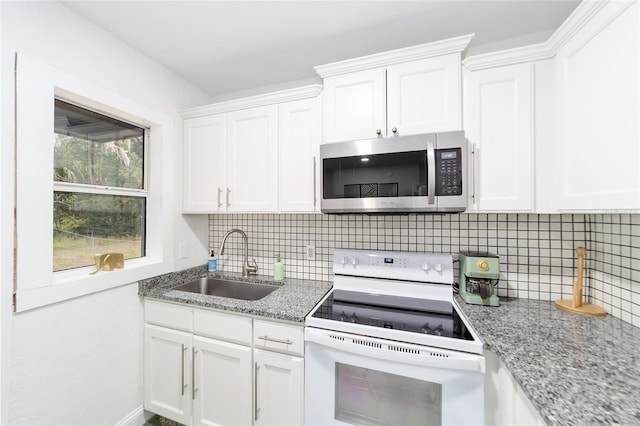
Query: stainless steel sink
228	288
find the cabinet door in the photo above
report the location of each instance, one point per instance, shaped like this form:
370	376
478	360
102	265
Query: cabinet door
204	151
498	123
167	373
222	383
252	158
505	402
299	135
279	389
354	106
424	96
597	113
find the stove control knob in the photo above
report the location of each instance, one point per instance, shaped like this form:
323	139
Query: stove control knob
438	267
354	318
425	329
425	267
344	261
438	331
354	261
343	316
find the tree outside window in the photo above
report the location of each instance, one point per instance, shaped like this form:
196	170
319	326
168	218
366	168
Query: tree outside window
99	187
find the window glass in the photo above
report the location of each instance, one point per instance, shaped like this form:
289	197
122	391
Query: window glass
90	148
99	201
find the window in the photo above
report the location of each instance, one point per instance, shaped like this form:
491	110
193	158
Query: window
99	197
99	176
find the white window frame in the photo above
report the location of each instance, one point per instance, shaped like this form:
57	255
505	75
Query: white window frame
37	86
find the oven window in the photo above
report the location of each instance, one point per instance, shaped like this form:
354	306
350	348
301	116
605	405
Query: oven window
370	397
370	176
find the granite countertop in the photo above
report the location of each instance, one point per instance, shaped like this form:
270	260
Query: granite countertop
291	302
575	369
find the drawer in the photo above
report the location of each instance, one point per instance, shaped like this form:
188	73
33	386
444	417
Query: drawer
168	315
277	336
233	328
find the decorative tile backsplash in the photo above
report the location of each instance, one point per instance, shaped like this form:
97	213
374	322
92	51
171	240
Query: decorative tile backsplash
537	252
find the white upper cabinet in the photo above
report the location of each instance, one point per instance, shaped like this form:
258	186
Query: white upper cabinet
354	106
598	146
424	96
253	155
499	126
252	159
299	136
405	91
204	164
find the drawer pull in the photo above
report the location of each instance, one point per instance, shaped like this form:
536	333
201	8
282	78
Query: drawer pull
273	339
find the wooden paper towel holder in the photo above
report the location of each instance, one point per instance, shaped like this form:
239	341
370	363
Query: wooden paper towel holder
575	304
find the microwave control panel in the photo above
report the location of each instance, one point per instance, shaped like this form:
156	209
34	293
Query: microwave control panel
449	171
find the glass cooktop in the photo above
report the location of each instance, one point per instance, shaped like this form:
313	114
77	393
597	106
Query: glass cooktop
412	315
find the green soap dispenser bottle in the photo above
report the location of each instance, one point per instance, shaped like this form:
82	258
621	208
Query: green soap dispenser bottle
278	269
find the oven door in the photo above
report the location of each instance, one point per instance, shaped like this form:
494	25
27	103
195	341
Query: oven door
357	380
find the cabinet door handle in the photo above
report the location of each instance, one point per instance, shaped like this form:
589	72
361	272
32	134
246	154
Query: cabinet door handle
256	409
379	133
228	203
273	339
474	166
193	374
219	193
314	183
395	131
182	385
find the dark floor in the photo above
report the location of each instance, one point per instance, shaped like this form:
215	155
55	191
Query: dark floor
161	421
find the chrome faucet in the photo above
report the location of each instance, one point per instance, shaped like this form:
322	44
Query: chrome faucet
247	268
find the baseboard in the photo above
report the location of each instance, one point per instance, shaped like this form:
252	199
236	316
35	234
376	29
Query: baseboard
137	417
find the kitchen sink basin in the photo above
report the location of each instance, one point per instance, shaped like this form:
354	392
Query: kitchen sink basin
228	288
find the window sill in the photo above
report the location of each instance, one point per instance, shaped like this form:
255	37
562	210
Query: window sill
76	283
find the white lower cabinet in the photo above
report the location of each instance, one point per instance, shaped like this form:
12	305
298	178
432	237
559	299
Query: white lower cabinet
167	367
505	402
204	367
279	388
222	383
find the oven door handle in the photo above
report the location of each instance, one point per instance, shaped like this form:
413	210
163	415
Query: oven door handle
394	351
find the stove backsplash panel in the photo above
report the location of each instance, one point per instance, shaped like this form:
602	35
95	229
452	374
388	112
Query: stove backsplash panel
537	252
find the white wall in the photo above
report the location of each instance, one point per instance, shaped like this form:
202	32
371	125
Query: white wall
80	361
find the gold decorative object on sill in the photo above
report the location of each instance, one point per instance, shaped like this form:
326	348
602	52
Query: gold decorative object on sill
108	262
575	304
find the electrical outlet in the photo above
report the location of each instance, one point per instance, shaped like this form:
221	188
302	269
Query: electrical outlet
182	251
310	252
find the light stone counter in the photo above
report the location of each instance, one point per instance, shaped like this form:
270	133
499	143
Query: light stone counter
576	370
291	302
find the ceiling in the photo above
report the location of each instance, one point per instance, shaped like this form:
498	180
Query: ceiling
226	47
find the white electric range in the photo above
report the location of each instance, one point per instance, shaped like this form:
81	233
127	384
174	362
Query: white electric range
389	345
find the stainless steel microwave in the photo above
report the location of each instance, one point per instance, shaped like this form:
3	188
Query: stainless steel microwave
403	174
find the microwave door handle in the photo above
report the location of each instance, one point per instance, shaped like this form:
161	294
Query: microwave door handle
431	173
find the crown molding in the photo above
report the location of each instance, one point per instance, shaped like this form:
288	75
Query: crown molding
584	13
412	53
534	52
304	92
